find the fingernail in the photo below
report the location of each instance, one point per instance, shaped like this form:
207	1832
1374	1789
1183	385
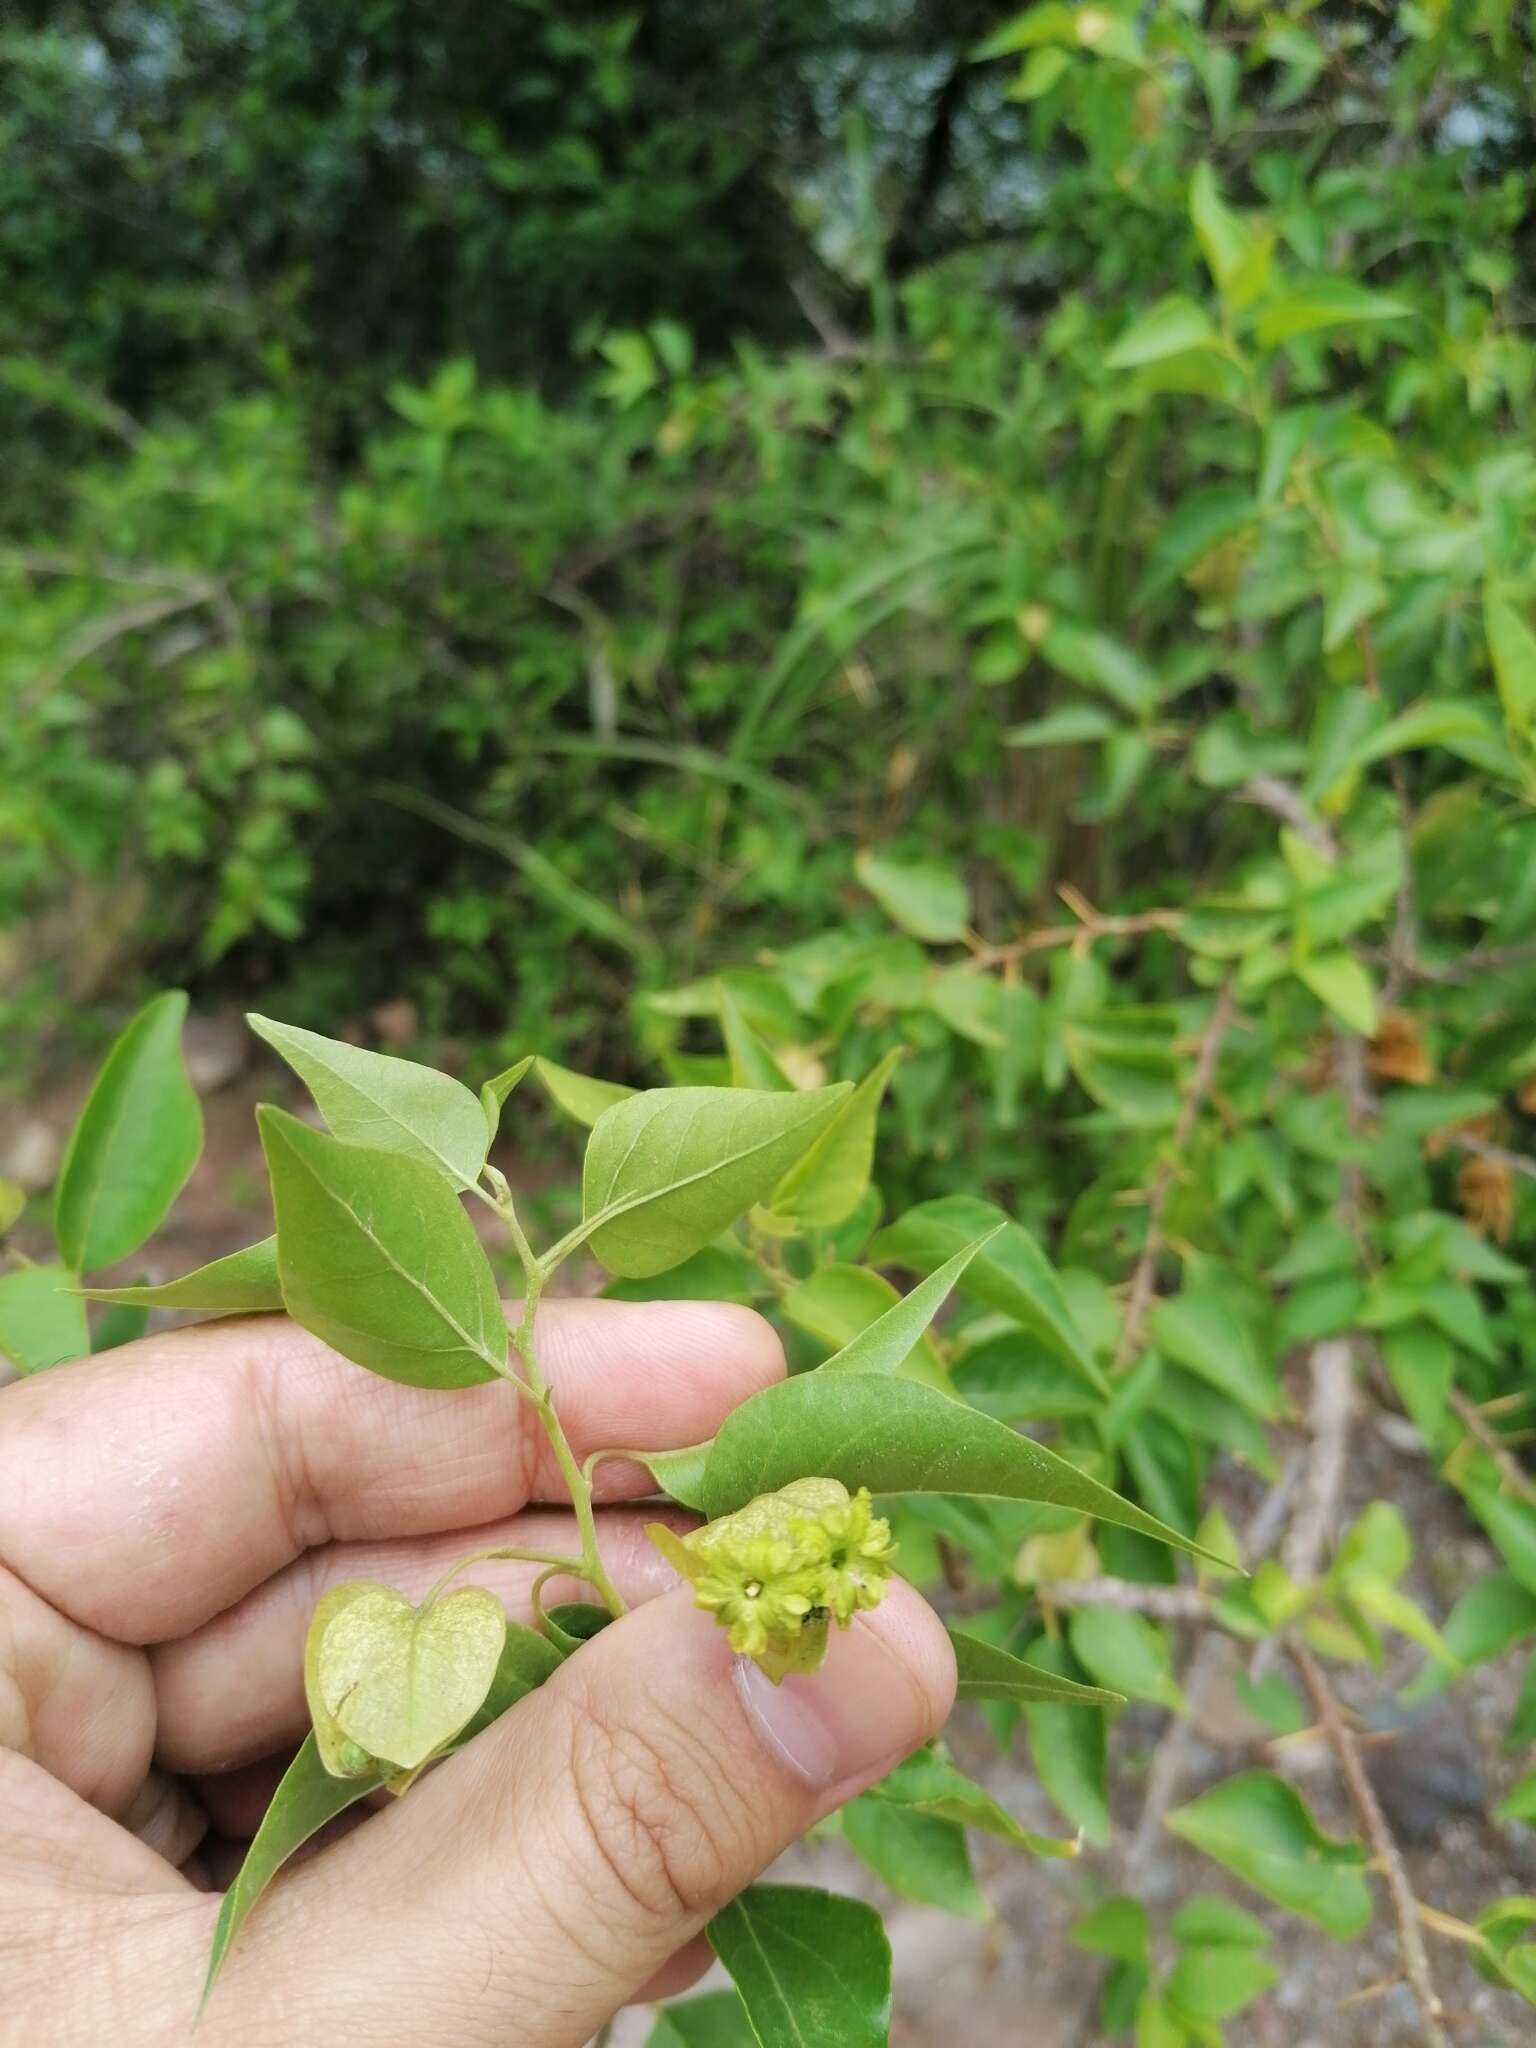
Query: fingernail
843	1725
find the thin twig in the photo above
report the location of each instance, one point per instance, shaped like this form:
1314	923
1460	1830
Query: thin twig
1283	802
1362	1796
1163	1603
1512	1475
1091	925
1449	973
1144	1275
1328	1417
1517	1162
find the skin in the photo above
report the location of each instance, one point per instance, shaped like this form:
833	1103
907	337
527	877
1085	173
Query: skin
169	1514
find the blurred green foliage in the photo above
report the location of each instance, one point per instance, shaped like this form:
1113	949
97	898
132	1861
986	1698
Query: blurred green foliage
510	500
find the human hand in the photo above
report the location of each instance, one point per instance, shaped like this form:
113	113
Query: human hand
170	1513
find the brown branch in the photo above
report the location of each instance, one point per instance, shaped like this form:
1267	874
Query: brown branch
1328	1418
1144	1275
1516	1162
1345	1745
1091	925
1283	802
1163	1603
1512	1474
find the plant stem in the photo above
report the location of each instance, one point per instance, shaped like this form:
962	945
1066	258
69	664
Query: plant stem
513	1552
535	1272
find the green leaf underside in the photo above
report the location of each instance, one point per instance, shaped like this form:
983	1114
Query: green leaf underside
582	1097
666	1171
681	1473
813	1968
386	1104
717	2019
1259	1827
895	1437
886	1343
42	1318
986	1672
378	1258
135	1143
244	1283
306	1798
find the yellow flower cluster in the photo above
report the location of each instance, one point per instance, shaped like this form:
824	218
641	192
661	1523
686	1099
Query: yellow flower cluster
780	1569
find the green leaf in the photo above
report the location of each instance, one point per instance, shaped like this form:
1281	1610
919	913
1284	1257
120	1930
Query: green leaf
987	1672
813	1968
135	1143
306	1798
887	1343
1325	302
836	1303
827	1182
1237	252
527	1659
1512	648
1198	1329
388	1105
124	1324
1103	663
1213	1984
1011	1273
752	1064
378	1258
1069	1751
42	1318
924	897
1207	1921
1490	1617
720	1272
13	1199
1259	1828
401	1681
681	1473
1172	327
581	1096
1068	725
1127	1652
1519	1802
668	1170
718	2019
895	1437
1342	985
243	1283
494	1093
929	1783
918	1855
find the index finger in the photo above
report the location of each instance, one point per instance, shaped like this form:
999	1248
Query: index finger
144	1491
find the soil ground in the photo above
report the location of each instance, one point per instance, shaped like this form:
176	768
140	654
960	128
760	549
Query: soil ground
1017	1978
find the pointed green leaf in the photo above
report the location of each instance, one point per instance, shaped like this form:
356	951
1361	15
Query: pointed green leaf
1199	1330
681	1473
244	1283
813	1968
827	1183
1172	327
1259	1827
895	1437
987	1672
526	1660
1342	985
924	897
400	1681
836	1303
494	1093
1068	1748
1126	1651
887	1342
1325	302
752	1064
124	1324
929	1783
582	1096
919	1855
716	2019
666	1171
136	1141
389	1105
1011	1273
306	1798
378	1258
42	1318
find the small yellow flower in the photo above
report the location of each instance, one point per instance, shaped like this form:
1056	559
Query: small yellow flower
779	1570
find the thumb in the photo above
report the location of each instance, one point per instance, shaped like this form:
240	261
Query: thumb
534	1883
